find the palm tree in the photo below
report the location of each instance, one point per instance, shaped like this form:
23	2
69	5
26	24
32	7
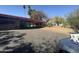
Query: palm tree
24	7
29	10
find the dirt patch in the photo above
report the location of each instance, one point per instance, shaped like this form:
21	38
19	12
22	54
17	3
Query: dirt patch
59	29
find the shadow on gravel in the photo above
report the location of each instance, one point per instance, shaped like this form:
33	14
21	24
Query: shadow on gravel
13	42
23	48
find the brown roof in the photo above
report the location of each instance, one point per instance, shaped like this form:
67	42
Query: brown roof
21	18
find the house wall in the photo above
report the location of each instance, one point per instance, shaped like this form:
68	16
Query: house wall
13	22
8	23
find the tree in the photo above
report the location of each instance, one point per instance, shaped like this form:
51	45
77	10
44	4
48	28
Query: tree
39	15
36	15
30	11
58	20
24	7
73	20
49	23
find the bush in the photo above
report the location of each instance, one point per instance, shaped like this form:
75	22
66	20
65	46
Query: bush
73	20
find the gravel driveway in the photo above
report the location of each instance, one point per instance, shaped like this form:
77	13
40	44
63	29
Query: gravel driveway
33	40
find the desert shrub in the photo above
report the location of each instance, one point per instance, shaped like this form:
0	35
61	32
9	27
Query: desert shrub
73	20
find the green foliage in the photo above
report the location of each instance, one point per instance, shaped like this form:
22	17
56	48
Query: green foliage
49	23
58	20
65	24
36	15
29	10
73	20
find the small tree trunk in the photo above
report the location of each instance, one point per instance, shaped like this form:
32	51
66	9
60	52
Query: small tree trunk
75	30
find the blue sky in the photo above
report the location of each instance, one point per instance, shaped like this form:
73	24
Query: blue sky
49	10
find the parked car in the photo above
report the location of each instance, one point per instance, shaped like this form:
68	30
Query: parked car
70	45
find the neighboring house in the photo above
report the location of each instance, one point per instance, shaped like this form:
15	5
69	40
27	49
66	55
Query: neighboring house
16	22
55	24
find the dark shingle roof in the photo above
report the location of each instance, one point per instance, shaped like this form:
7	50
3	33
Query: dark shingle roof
21	18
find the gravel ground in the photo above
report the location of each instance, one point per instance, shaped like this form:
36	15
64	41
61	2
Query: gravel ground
32	40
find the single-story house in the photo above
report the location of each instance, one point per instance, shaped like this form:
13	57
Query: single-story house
16	22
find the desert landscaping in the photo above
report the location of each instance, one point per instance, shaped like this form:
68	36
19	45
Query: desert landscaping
41	32
33	40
